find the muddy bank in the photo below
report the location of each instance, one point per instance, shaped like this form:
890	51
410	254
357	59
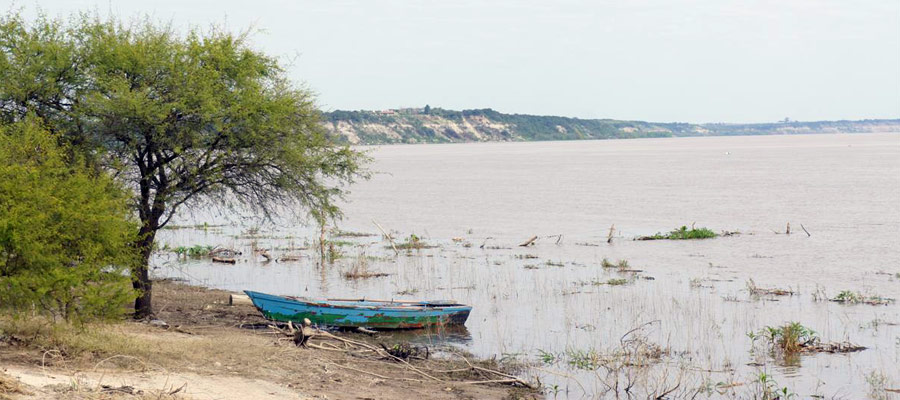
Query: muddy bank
205	350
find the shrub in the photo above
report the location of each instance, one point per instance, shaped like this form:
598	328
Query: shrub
65	234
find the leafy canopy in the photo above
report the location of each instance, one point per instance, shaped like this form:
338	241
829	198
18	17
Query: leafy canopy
180	119
65	235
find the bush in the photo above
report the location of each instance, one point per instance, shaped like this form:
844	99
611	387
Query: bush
65	234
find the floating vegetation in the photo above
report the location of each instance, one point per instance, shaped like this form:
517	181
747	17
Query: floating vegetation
195	251
526	256
340	233
554	263
759	291
851	297
793	337
413	242
621	264
407	292
617	281
363	274
531	266
682	233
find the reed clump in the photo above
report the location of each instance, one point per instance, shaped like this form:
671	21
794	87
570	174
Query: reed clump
621	265
851	297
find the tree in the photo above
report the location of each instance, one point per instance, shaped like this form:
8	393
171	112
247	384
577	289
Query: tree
182	119
65	232
427	109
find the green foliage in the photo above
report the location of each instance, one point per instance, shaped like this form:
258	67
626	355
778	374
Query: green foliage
848	296
65	234
851	297
789	338
195	251
766	388
413	242
182	119
682	233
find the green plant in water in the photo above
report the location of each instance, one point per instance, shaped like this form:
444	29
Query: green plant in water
682	233
617	281
850	297
547	357
583	359
847	296
789	338
766	388
195	251
555	263
620	265
413	242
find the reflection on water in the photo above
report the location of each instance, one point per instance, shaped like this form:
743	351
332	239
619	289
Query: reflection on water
555	305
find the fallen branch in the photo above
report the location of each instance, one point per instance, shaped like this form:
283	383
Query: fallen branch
388	236
224	260
529	242
804	230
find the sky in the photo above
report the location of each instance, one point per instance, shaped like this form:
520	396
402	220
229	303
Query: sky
654	60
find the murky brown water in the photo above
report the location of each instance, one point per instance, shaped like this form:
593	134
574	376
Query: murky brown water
844	189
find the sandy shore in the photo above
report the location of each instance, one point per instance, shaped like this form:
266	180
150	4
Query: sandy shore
206	351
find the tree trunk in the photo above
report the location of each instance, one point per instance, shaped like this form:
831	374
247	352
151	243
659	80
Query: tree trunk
140	277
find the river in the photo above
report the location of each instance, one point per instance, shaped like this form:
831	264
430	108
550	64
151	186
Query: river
552	304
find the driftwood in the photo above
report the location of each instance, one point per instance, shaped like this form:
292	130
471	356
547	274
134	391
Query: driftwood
224	260
529	242
612	231
388	236
804	230
307	333
833	347
238	299
224	252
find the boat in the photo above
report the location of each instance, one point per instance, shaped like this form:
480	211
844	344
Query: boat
356	313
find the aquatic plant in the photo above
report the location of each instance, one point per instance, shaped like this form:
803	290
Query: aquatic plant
195	251
554	263
789	338
682	233
851	297
760	291
766	388
620	265
413	242
547	357
339	233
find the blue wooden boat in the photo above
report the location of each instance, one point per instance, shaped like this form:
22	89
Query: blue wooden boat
383	314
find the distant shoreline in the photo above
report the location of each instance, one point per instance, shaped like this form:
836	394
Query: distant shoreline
435	125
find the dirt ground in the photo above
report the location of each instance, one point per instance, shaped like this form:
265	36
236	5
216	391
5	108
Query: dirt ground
205	350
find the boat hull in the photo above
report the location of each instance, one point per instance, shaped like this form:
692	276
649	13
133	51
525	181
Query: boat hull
350	314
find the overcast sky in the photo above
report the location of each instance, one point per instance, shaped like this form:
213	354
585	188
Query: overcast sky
656	60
